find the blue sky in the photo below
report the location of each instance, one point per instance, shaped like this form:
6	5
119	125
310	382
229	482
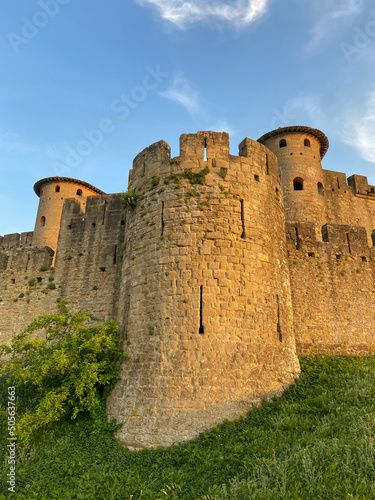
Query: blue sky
125	74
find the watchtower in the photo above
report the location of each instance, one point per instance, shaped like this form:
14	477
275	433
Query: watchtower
299	151
53	191
205	302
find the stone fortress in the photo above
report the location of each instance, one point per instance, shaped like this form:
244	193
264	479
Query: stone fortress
227	269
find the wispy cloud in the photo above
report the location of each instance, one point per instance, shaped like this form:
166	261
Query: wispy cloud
239	13
183	94
11	142
223	126
359	132
328	27
306	108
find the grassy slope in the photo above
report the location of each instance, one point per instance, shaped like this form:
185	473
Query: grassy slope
315	442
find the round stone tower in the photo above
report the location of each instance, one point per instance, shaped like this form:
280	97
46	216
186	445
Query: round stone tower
299	151
53	191
205	301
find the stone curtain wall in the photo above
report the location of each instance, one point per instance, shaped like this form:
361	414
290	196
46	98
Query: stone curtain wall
205	299
350	201
89	254
87	268
25	290
333	289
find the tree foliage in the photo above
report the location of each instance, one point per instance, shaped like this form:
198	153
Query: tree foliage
68	361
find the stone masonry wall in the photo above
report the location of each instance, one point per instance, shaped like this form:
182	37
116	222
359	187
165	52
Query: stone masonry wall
333	289
89	254
27	289
86	272
205	299
350	201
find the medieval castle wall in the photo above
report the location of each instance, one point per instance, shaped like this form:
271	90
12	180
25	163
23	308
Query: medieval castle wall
333	289
87	269
226	270
205	299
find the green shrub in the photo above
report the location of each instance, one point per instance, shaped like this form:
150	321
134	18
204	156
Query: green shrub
223	172
68	366
155	182
129	199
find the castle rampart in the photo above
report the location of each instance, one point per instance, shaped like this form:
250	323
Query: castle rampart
333	289
205	299
227	268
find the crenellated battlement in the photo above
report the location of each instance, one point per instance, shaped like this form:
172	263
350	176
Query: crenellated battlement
16	240
347	240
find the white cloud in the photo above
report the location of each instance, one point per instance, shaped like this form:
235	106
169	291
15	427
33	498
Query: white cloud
183	94
360	132
342	12
239	13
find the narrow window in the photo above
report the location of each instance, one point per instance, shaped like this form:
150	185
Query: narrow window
348	240
320	188
57	189
205	150
39	280
311	254
69	226
79	192
122	223
104	210
298	244
267	165
162	218
115	255
307	143
338	183
243	235
325	233
298	184
278	320
256	178
102	269
373	238
43	221
282	143
94	225
201	327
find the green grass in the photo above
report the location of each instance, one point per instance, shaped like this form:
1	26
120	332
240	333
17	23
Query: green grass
315	442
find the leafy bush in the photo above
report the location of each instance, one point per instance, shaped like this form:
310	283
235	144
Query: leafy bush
129	199
67	361
155	182
223	172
